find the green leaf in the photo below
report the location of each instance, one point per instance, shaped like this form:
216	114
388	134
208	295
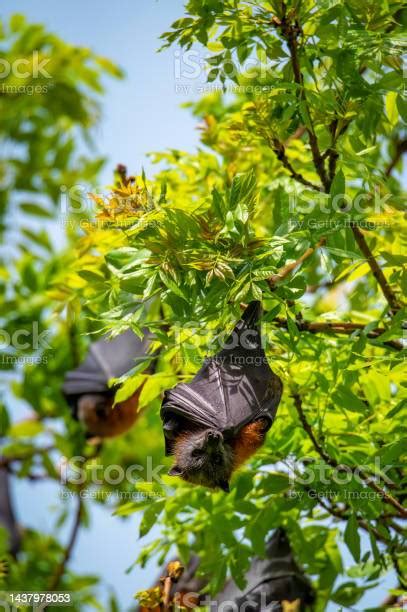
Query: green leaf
345	398
129	387
218	204
155	384
390	452
150	516
391	108
17	22
338	185
352	537
347	594
26	429
256	292
275	483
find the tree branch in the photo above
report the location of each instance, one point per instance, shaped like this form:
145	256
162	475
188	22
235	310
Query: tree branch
308	429
376	269
279	149
338	327
337	513
368	480
60	569
290	31
7	514
167	593
401	147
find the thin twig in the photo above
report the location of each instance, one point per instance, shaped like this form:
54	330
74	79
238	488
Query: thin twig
389	601
396	527
7	513
174	573
368	480
60	569
279	149
297	135
376	269
341	514
401	147
323	285
288	268
167	593
308	429
400	575
291	31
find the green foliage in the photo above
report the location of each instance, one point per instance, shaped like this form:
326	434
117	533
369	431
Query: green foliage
306	150
305	153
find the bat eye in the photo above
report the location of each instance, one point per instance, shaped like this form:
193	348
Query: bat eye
196	452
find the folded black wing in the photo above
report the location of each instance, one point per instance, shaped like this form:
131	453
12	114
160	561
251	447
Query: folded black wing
271	580
233	388
106	359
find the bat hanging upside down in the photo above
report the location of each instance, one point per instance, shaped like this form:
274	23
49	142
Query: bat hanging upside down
220	419
87	387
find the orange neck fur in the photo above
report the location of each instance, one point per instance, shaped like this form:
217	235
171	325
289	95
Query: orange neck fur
248	441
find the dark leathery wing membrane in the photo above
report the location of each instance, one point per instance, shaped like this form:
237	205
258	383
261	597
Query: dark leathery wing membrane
270	581
232	389
106	359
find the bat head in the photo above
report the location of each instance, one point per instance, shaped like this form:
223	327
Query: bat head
203	458
93	407
96	412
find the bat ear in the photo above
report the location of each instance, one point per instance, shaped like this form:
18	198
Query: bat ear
175	471
224	485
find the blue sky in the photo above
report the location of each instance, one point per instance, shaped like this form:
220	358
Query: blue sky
140	114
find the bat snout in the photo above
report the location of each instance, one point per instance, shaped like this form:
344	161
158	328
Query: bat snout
214	438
